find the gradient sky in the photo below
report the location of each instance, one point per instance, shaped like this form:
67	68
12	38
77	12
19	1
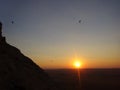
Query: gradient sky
49	32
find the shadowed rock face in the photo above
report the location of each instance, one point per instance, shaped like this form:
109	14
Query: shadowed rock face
18	72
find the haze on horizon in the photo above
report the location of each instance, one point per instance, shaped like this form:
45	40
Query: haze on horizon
49	32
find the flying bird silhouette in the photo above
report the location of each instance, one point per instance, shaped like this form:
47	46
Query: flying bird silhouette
79	21
12	22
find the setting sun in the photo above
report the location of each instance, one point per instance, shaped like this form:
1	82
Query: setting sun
77	64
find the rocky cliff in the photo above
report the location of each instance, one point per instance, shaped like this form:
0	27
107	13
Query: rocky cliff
18	72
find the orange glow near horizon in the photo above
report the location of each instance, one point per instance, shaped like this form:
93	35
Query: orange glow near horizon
71	63
77	64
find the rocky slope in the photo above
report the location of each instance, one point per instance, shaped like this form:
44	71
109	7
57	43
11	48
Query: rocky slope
18	72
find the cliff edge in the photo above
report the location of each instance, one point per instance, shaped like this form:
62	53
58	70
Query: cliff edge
18	72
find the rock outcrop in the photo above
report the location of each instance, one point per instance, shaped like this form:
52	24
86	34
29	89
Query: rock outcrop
18	72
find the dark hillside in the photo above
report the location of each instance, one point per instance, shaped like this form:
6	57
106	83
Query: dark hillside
18	72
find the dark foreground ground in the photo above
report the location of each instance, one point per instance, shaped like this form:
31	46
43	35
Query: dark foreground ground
90	79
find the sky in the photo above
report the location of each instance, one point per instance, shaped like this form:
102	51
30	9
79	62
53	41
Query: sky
49	32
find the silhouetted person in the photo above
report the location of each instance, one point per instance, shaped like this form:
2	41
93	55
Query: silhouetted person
2	39
0	29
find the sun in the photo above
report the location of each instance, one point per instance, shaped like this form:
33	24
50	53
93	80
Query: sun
77	64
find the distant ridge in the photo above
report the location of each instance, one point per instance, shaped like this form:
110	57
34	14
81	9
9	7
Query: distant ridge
18	72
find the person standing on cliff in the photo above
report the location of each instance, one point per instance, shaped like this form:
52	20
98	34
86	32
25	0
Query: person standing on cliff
2	39
0	29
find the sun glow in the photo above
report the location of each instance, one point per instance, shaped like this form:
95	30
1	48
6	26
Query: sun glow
77	64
